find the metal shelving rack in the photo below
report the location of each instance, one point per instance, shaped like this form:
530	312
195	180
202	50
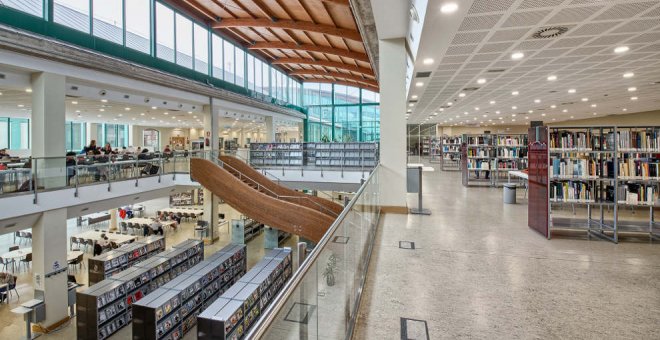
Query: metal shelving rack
450	153
478	159
510	155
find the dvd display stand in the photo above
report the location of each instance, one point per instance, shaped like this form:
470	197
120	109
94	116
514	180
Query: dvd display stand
171	311
232	315
110	263
106	307
450	153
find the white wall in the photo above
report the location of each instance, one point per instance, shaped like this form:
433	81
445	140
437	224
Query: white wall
165	135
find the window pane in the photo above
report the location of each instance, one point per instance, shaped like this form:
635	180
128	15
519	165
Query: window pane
67	136
273	82
137	25
201	49
229	61
164	32
250	72
216	43
240	68
34	7
110	135
326	94
311	94
78	136
184	40
108	20
72	13
352	95
266	82
18	133
4	133
122	136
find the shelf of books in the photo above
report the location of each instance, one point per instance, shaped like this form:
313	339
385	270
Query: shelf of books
344	155
510	155
103	266
450	153
435	150
232	315
276	154
489	157
171	311
609	172
106	307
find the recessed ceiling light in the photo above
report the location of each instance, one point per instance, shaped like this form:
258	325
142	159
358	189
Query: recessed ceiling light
449	8
628	75
414	96
153	107
0	93
530	111
411	104
585	99
141	113
537	101
517	55
450	103
189	112
476	108
513	120
102	110
572	91
622	49
174	117
462	94
74	102
564	110
419	84
552	78
513	115
153	117
409	111
127	108
594	105
465	112
99	116
542	114
120	115
571	117
21	105
553	106
484	116
104	100
515	93
624	109
633	98
632	89
595	113
492	102
497	112
166	113
77	111
481	81
514	107
441	109
428	61
28	90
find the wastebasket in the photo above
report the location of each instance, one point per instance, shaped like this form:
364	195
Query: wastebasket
509	193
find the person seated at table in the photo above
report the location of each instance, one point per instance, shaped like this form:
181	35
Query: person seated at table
70	166
107	149
176	218
104	242
8	279
144	154
91	148
156	227
98	249
4	153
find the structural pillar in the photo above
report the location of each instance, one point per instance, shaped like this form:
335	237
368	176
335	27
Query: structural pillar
48	128
271	237
113	219
211	146
270	130
49	265
392	82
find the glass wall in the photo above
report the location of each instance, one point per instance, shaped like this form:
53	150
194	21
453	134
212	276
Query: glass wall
108	20
14	133
151	139
76	134
115	134
341	113
138	30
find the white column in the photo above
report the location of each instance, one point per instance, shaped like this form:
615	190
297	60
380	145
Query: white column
211	124
393	122
48	131
270	130
48	255
113	219
301	132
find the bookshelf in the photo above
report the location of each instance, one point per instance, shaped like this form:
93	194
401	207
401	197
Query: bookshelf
106	307
171	310
110	263
276	154
339	155
487	158
232	315
605	169
450	153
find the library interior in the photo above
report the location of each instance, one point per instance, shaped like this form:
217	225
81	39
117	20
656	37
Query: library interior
329	169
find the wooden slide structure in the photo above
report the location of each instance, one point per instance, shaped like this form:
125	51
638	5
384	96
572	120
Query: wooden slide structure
259	203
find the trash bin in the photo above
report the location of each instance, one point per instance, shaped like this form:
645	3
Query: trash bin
510	193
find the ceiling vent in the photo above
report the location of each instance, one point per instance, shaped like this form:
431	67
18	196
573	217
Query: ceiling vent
423	74
2	76
470	89
497	70
126	96
550	32
74	88
410	101
568	103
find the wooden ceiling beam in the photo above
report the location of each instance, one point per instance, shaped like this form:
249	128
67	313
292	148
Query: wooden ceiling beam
310	48
201	9
292	25
340	82
325	63
337	2
263	8
336	75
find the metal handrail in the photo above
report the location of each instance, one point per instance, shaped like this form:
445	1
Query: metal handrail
241	175
268	316
247	161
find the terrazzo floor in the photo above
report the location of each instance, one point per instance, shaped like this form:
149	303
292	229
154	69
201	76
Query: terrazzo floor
478	272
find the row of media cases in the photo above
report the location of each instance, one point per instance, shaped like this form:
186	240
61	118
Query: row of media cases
363	154
166	293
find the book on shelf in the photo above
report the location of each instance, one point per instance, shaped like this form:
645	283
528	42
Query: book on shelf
629	140
642	168
569	140
571	191
569	167
638	194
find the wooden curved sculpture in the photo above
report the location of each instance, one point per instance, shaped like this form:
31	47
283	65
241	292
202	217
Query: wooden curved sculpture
325	206
279	214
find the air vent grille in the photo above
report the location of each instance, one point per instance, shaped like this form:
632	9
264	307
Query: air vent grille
423	74
497	70
550	32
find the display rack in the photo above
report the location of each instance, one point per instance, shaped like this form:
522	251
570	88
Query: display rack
232	315
245	229
187	198
603	168
106	307
435	153
171	311
276	154
450	153
489	157
103	266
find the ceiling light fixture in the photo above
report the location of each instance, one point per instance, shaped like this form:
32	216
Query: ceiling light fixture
564	110
515	93
492	102
74	102
21	105
411	105
517	55
624	109
104	100
450	104
553	106
166	113
632	89
537	101
414	96
28	90
449	8
633	98
628	75
419	84
585	99
462	94
572	91
514	107
141	113
428	61
481	81
552	78
127	108
622	49
594	105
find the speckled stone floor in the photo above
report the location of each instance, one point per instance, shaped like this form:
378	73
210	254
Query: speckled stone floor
478	272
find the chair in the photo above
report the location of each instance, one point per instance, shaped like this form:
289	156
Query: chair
21	236
73	241
113	245
27	260
9	288
12	248
78	261
28	236
17	234
5	262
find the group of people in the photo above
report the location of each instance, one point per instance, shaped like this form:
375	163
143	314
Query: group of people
4	154
157	228
103	243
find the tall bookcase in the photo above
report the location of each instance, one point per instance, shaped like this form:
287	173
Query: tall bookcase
450	153
326	155
276	154
486	159
103	266
106	307
603	169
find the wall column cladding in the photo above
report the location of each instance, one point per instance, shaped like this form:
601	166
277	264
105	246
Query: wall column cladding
211	134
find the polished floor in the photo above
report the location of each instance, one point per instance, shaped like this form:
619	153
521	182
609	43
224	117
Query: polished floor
478	272
12	326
